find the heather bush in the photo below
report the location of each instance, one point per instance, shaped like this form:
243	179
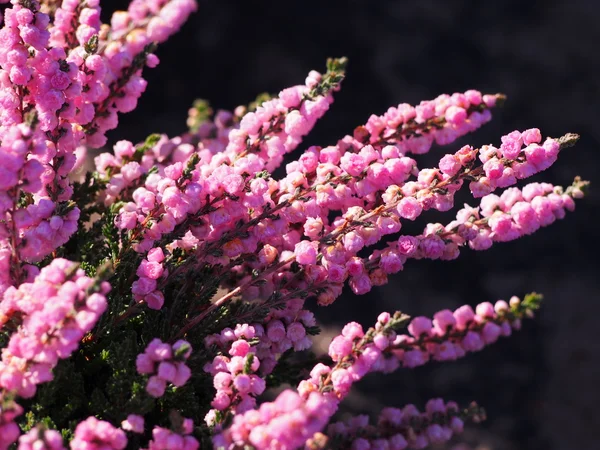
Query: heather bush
152	302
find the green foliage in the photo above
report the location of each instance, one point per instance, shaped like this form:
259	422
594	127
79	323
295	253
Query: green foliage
259	100
199	113
59	402
292	368
336	71
91	46
148	144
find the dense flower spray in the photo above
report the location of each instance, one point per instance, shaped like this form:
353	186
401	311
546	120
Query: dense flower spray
151	304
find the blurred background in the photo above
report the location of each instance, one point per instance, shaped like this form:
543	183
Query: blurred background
541	386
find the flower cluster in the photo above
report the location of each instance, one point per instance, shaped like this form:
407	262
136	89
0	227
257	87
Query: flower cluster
150	269
234	376
284	329
512	161
166	364
343	177
165	439
133	423
187	241
356	353
94	433
450	335
9	430
54	313
443	120
64	78
39	438
398	429
46	219
288	422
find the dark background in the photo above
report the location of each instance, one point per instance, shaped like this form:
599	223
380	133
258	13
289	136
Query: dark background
540	387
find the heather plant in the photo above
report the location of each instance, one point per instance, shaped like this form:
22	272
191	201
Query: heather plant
151	303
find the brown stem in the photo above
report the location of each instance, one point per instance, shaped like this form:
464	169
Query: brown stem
225	298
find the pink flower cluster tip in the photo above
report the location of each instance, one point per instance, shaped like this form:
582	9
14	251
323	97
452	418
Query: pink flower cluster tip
164	363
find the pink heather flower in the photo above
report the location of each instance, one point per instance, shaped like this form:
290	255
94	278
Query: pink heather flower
155	300
409	208
415	358
489	100
290	420
296	124
360	284
221	401
353	242
143	286
313	227
511	145
443	320
183	375
340	347
531	136
485	310
435	434
236	364
242	383
491	332
290	97
420	326
552	147
493	169
170	367
456	115
93	432
306	252
227	334
352	331
464	315
156	386
336	273
381	341
38	438
144	364
244	331
155	255
432	247
383	318
341	380
239	348
529	192
353	164
222	381
131	171
536	155
296	331
472	342
133	423
150	269
167	371
319	370
449	165
391	262
122	149
258	385
408	245
474	97
276	330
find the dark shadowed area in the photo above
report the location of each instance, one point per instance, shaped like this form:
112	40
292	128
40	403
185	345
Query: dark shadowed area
540	387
